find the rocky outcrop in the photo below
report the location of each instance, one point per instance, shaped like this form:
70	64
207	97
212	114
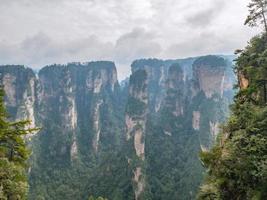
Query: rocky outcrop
136	117
19	84
8	81
209	73
212	76
214	129
139	181
57	102
196	120
63	97
176	91
78	91
157	71
96	126
242	81
179	98
157	120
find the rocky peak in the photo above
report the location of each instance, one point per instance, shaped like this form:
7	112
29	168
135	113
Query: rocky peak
175	90
157	71
175	76
76	93
136	117
138	86
243	82
85	114
20	86
209	74
104	76
62	99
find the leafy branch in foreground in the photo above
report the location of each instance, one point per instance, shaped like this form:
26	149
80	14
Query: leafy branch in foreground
257	13
13	155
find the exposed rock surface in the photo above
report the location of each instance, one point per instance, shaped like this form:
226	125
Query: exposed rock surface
159	119
243	81
182	97
67	102
20	85
73	94
136	117
209	73
196	120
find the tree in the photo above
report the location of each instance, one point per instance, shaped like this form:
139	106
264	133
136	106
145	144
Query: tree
13	155
257	13
99	198
237	164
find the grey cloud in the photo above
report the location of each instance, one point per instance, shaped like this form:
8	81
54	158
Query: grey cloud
41	50
197	45
135	44
206	42
40	32
203	17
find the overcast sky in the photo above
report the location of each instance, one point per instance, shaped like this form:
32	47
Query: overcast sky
40	32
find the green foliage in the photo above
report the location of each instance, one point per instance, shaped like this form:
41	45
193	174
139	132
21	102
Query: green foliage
214	61
252	65
173	168
13	156
13	184
99	198
54	175
138	79
257	13
135	107
237	164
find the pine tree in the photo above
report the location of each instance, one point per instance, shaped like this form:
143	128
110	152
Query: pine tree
13	155
257	13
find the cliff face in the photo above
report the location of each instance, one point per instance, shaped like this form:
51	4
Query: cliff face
75	105
176	91
136	117
147	132
213	78
185	102
210	75
74	95
156	77
243	82
20	86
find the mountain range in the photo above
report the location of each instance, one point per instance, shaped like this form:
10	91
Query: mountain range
138	139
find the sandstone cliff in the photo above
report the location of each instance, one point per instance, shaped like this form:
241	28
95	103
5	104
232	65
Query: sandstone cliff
148	131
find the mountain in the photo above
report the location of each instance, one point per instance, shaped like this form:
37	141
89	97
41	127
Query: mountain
137	140
174	110
20	85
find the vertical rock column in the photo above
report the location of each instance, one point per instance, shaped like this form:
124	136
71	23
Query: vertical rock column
19	84
211	78
136	115
103	82
57	103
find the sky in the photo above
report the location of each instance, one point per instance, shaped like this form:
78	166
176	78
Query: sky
36	33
